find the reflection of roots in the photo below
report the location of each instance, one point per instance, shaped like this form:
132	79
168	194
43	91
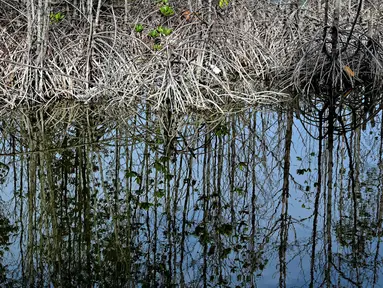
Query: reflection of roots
353	82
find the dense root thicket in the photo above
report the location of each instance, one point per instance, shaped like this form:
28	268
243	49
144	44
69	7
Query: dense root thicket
348	78
244	53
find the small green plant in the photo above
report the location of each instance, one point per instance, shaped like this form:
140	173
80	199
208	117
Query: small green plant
164	31
56	17
223	3
166	10
153	33
139	28
157	47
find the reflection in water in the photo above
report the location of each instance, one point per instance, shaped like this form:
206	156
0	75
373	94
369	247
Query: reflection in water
155	201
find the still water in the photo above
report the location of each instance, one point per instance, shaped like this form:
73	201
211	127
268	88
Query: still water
95	198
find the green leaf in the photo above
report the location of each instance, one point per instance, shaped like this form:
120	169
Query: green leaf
226	229
164	30
159	193
139	28
158	166
157	47
301	171
160	29
145	205
261	266
167	31
239	190
242	165
153	34
164	159
130	174
223	3
166	10
56	17
169	176
221	130
225	253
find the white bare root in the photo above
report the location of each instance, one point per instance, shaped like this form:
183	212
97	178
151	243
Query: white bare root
241	55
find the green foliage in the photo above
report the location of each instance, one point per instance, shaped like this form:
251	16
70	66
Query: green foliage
139	28
4	170
242	166
303	171
153	33
157	47
159	193
164	30
56	17
160	29
6	231
138	179
225	229
159	167
225	252
131	174
145	205
223	3
202	233
239	190
166	10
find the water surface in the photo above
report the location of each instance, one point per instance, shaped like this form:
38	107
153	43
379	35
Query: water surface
106	199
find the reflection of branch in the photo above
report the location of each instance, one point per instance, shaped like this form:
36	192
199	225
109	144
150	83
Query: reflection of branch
353	184
344	276
60	149
316	203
